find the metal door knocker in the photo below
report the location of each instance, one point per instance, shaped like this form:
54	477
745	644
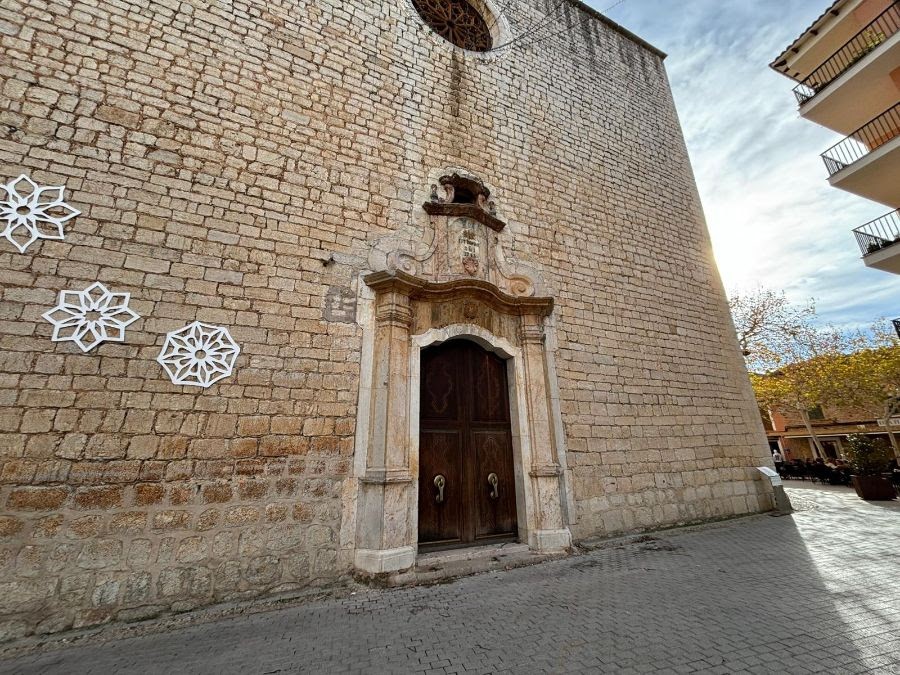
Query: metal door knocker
440	482
494	481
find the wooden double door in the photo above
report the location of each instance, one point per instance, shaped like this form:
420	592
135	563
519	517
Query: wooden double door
466	479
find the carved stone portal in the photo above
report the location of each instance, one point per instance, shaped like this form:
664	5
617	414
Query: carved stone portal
457	284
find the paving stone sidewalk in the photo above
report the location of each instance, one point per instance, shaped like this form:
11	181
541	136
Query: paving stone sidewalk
818	591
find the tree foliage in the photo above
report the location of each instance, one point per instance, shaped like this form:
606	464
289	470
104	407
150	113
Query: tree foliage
796	363
867	456
870	378
870	375
802	372
764	319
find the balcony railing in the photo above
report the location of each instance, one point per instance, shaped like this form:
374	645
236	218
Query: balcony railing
863	141
861	44
880	233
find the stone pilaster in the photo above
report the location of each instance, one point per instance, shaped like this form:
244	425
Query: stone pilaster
385	540
550	532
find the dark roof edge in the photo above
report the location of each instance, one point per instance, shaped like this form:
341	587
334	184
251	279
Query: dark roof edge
796	43
617	27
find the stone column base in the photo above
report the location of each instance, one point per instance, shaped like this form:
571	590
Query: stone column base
551	541
376	561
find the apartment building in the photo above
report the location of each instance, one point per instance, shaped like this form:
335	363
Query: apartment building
847	69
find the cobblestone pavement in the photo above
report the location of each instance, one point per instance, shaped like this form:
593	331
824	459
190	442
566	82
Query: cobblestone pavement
814	592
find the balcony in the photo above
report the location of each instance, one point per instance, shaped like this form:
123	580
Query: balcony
867	162
878	242
855	83
858	47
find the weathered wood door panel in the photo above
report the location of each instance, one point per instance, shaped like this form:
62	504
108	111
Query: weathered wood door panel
466	480
495	498
441	501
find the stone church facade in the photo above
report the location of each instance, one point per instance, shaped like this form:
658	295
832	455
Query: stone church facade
321	289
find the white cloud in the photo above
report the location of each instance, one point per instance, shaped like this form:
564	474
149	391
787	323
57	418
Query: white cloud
773	217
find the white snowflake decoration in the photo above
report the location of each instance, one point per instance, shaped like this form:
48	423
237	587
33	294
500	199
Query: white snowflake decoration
198	355
29	212
91	316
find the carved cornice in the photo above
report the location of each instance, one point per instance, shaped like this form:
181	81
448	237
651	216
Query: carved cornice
416	288
472	211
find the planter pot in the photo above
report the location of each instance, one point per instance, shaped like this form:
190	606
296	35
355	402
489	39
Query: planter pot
873	488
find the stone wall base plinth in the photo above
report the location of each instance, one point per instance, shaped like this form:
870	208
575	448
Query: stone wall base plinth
388	560
551	541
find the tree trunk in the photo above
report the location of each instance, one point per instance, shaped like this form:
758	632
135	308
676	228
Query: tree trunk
818	450
890	409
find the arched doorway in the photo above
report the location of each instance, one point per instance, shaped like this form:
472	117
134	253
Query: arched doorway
466	470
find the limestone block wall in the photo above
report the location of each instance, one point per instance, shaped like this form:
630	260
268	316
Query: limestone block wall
233	162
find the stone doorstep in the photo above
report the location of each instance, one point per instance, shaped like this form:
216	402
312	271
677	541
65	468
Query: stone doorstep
441	566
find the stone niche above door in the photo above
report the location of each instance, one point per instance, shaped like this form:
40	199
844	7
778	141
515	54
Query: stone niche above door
457	235
447	278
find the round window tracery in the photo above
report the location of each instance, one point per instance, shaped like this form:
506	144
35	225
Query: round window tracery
457	21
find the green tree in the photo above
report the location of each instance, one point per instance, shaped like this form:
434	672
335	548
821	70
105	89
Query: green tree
826	366
799	386
868	457
797	364
869	377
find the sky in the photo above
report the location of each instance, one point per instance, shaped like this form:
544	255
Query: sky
773	217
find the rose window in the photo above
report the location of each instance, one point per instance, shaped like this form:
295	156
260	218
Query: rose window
458	22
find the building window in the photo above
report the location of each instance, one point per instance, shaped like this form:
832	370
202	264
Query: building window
816	413
457	21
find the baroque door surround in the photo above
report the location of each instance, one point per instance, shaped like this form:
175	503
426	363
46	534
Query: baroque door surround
457	286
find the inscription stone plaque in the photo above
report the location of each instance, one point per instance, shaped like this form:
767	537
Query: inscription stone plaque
340	305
